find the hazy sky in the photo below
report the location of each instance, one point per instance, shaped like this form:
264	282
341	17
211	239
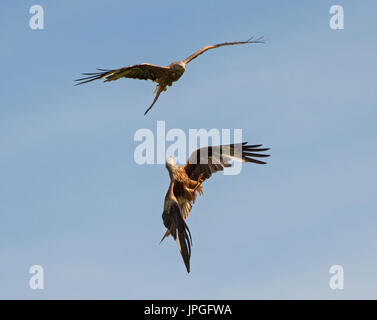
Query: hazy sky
73	200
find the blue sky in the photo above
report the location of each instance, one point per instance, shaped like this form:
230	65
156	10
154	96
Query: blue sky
73	200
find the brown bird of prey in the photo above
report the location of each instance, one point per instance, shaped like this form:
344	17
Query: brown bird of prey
186	181
163	76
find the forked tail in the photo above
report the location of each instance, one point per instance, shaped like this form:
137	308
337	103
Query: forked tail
178	229
167	233
158	91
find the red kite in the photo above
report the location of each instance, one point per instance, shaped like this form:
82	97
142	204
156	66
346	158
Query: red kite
163	76
187	180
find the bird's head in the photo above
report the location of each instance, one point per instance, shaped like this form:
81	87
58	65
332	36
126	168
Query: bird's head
178	66
170	164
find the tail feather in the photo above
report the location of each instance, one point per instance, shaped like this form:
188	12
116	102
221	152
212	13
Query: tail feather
184	246
167	233
179	230
158	91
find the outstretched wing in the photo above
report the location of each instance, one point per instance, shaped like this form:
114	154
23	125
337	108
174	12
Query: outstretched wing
143	71
204	49
178	228
206	161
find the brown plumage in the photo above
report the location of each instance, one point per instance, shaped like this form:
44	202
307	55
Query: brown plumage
186	181
163	76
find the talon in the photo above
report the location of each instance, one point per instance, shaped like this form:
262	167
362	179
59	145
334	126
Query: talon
199	189
199	183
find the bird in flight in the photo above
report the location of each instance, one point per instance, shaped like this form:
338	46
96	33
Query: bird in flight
163	76
186	181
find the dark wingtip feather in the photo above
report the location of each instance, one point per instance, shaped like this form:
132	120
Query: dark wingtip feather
254	161
249	151
86	81
252	146
92	76
258	40
252	154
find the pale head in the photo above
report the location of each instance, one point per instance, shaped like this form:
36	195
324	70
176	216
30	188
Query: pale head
178	66
170	164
